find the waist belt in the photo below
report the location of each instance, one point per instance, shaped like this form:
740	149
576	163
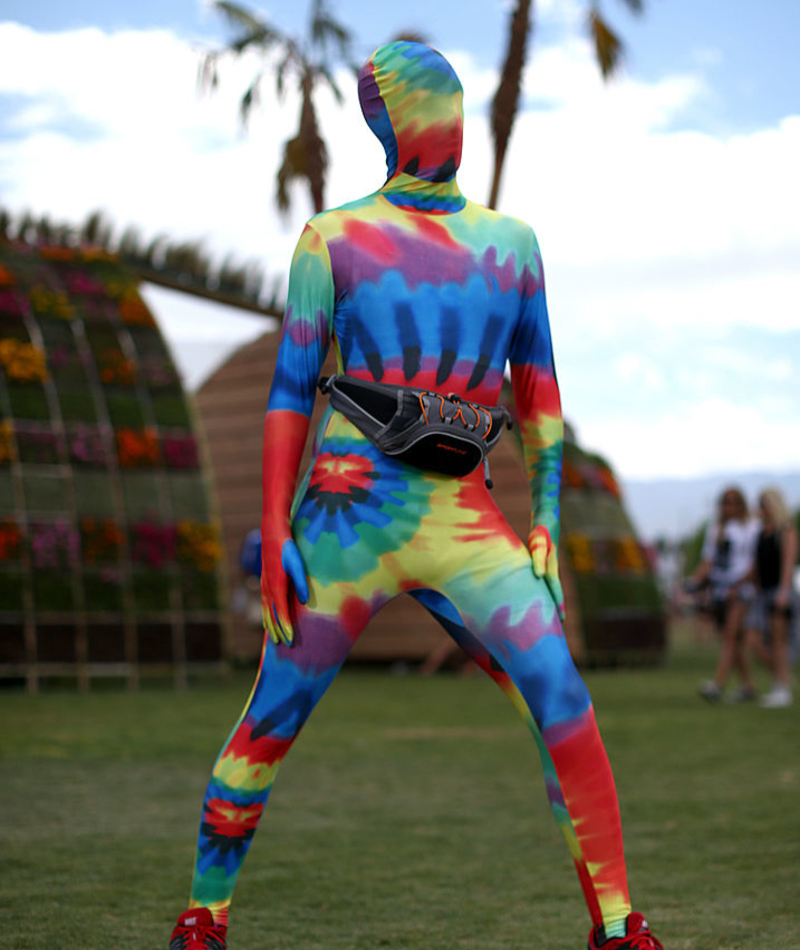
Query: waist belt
437	433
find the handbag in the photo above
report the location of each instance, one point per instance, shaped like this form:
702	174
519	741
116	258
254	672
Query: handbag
437	433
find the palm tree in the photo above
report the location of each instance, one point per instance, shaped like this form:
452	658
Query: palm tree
305	61
608	50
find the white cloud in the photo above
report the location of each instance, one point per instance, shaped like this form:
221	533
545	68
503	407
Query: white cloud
636	368
657	241
202	334
713	435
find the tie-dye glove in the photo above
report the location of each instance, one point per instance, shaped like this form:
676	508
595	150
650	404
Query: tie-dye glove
280	563
544	560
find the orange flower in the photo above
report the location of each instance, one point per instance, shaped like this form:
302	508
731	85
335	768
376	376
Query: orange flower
137	448
571	476
608	481
116	369
53	253
6	277
101	540
134	311
628	556
7	451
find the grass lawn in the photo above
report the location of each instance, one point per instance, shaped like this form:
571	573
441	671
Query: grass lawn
410	814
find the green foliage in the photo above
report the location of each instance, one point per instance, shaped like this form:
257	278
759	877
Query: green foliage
188	496
598	591
77	405
28	401
11	588
125	409
93	497
44	492
7	494
101	592
171	411
200	590
141	493
692	549
152	590
52	590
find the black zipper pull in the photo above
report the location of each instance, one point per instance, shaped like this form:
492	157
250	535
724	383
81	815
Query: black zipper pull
486	476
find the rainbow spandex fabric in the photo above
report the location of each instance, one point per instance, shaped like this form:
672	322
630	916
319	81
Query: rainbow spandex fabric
415	285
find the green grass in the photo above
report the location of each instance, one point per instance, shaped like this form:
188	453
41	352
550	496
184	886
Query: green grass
411	814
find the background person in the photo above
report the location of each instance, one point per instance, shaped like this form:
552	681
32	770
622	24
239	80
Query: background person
725	568
771	615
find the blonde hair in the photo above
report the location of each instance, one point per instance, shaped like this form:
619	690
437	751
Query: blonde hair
775	506
736	496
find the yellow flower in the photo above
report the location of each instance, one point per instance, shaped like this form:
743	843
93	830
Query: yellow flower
198	545
628	556
579	547
23	362
52	303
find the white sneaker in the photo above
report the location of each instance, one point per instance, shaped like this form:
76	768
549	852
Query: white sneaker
710	691
778	698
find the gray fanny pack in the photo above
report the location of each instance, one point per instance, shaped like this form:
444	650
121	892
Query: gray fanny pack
444	434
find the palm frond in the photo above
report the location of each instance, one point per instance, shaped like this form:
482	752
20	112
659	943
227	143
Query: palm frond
254	31
328	77
325	29
93	227
263	39
280	73
608	46
635	6
239	16
5	223
250	99
207	75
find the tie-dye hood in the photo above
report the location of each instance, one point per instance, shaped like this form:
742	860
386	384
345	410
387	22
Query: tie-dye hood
412	100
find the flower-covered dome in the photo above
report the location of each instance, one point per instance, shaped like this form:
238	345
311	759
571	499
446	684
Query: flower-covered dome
614	587
108	547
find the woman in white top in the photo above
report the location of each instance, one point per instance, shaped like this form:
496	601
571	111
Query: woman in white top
726	567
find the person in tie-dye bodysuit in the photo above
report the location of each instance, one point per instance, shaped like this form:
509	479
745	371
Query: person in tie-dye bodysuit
412	285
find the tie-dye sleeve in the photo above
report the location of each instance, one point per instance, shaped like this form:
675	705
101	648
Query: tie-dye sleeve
533	377
306	336
307	326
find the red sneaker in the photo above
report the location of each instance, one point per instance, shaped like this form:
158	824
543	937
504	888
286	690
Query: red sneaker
637	937
196	930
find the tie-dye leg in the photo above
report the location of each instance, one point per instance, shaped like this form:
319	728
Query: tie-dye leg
355	510
368	529
531	664
290	682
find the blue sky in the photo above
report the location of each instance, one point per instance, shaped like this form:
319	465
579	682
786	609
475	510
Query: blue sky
666	202
751	47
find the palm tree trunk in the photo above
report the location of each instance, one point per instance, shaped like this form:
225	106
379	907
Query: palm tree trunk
315	153
506	99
